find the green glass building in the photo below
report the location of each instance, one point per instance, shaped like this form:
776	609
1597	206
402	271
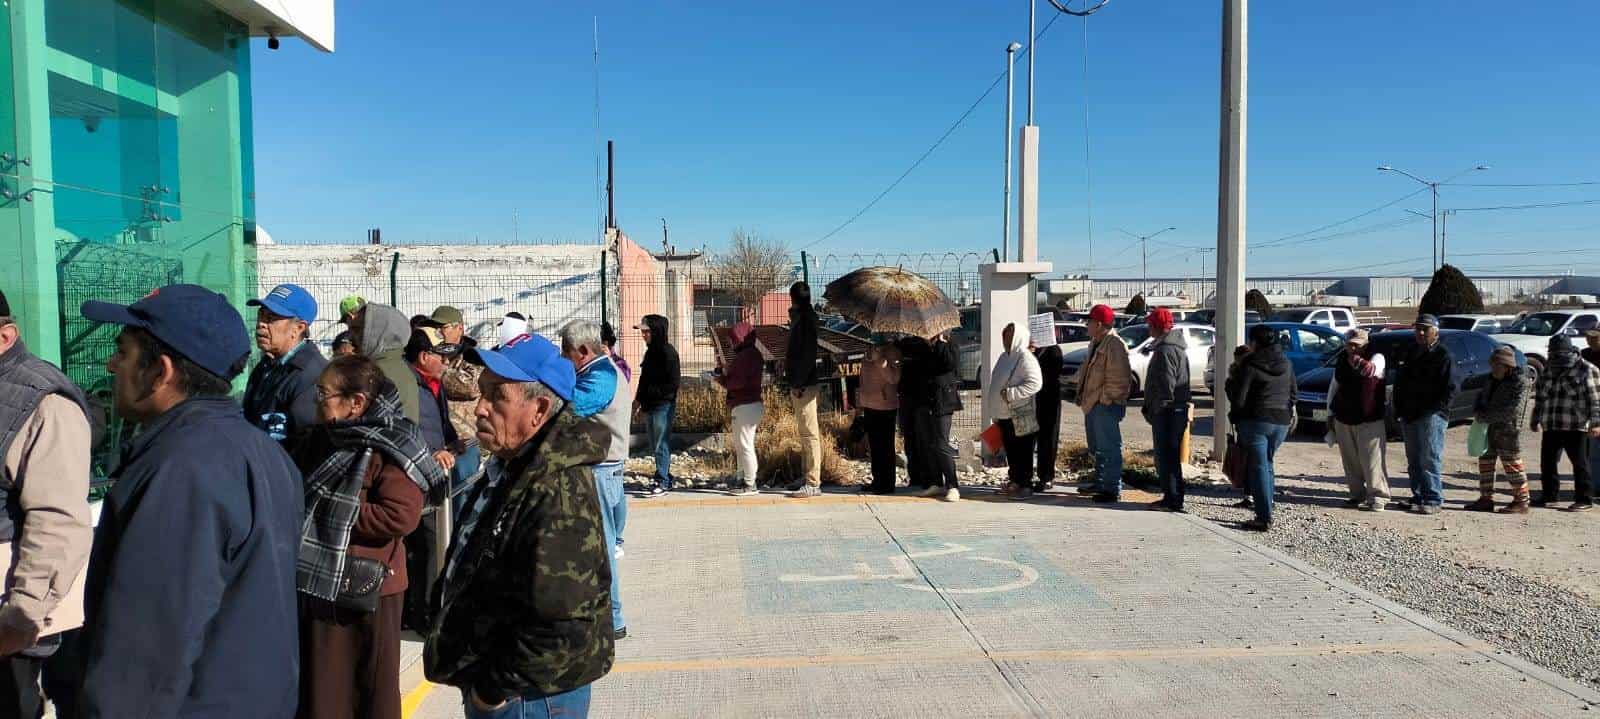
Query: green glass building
126	160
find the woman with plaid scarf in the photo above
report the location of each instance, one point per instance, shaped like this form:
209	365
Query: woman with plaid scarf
367	473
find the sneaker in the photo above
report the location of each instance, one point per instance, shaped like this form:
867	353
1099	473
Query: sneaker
1088	489
1353	502
1043	486
1517	506
933	492
1159	505
1541	501
795	486
620	634
952	495
744	491
1484	504
1405	505
1372	507
653	493
806	492
1427	509
1020	494
1007	490
1106	498
1580	507
1256	525
1246	503
617	553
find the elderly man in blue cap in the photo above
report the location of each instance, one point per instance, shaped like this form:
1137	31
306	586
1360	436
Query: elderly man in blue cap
1424	387
524	611
281	395
189	605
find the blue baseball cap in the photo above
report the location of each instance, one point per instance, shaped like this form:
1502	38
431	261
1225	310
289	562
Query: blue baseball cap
529	358
288	300
197	323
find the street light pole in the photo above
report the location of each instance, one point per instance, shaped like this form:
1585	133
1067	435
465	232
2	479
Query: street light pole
1433	187
1005	229
1032	6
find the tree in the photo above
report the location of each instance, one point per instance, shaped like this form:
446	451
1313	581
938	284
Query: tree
1136	305
1256	302
751	266
1450	293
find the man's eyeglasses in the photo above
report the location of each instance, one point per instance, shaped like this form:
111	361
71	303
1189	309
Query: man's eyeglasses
324	395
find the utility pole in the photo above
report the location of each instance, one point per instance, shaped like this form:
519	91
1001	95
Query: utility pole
1231	205
1433	187
1005	228
516	229
1144	255
665	248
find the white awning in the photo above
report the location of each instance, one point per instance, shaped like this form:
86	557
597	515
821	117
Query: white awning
310	20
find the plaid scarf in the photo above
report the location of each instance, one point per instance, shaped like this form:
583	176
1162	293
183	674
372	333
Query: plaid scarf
333	491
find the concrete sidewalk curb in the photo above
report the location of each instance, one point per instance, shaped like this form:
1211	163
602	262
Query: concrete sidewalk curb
1482	648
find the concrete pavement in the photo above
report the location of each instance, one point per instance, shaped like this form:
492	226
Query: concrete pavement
900	607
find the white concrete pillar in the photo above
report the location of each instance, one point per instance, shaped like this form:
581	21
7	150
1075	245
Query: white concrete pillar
1028	197
1007	298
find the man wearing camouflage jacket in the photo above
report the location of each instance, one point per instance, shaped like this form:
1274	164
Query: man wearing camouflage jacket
523	620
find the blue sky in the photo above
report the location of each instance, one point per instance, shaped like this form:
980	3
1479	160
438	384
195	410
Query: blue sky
786	118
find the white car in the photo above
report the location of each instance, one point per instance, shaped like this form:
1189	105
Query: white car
1532	333
1199	339
1071	336
1338	318
1485	324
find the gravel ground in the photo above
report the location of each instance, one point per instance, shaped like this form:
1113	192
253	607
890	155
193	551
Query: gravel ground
1538	621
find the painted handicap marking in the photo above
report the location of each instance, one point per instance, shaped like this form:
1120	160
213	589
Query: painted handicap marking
857	575
905	576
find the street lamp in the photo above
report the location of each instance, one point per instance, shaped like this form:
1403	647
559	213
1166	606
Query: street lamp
1005	229
1438	244
1144	258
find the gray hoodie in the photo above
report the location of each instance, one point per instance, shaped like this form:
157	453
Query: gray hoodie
1166	382
384	333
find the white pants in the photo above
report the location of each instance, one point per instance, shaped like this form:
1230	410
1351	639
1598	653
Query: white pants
743	433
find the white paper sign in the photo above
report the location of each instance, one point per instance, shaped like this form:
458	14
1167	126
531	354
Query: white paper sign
1042	329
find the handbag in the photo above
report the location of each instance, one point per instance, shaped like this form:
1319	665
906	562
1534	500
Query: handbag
1024	413
358	589
1234	465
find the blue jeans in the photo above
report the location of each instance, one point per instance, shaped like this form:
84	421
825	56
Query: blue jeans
1102	426
1166	432
658	440
567	705
466	465
613	517
1424	445
1261	441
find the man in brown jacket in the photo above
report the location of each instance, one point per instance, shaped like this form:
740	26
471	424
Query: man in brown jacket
1103	384
44	528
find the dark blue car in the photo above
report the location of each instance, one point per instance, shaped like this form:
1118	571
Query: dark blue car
1470	350
1307	347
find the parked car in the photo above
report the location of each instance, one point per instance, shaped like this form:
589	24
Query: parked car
1385	327
1071	336
1141	346
1531	334
1209	317
1470	350
1307	347
1486	324
1339	318
845	326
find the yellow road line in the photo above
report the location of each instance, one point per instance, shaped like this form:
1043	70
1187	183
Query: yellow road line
1047	655
414	698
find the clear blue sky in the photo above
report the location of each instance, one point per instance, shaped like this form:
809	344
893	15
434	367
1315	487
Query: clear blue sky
437	122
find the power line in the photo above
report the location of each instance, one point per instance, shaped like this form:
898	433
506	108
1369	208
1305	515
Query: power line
1369	229
1523	185
1536	206
935	146
1347	220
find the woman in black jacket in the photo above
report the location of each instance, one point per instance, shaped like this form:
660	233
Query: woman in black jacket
1261	407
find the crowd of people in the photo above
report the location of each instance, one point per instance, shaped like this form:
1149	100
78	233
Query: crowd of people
261	557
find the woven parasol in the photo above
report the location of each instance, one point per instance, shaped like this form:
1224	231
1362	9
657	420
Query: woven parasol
889	299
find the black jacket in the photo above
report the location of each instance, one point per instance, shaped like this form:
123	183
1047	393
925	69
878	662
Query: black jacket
658	371
947	386
438	432
1425	383
1048	401
800	356
190	605
1166	385
922	367
1261	389
281	397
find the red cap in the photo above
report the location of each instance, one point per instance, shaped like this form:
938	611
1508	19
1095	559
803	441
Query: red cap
1103	314
1159	319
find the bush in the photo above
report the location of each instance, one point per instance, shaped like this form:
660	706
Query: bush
1136	306
1450	293
778	446
702	407
1257	302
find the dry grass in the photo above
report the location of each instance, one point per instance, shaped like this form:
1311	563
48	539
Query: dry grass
778	446
1137	465
702	407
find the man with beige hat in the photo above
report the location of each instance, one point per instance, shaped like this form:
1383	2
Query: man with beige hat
1502	406
1357	406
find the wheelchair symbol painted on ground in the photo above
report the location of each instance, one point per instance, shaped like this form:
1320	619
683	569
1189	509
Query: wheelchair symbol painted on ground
904	575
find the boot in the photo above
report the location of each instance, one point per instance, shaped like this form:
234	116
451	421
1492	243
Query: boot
1485	503
1517	506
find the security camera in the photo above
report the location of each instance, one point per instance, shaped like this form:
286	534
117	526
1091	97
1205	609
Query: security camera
91	123
272	40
